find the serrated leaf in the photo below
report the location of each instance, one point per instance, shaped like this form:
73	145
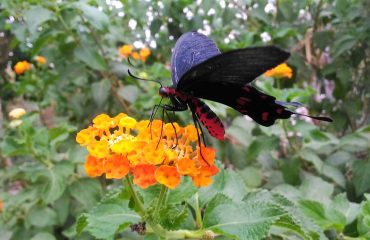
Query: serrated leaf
96	18
86	191
100	92
240	220
361	176
36	16
108	217
171	216
56	181
90	56
227	182
42	216
43	236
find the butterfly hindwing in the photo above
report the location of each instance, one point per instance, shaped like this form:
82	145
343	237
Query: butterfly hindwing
246	99
208	118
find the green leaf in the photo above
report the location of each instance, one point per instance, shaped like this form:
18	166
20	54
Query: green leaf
252	176
56	181
361	176
36	16
343	44
171	216
90	56
226	182
96	18
58	135
100	92
314	188
43	236
42	216
242	220
11	146
86	191
129	92
310	156
62	207
109	216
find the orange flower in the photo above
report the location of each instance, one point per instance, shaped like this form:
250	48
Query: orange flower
126	50
154	152
144	54
187	166
21	67
1	205
135	55
116	166
41	60
206	155
280	71
144	175
168	176
93	166
204	177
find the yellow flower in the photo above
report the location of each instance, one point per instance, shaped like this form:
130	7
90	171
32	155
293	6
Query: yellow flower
126	50
15	123
21	67
280	71
152	152
40	59
17	113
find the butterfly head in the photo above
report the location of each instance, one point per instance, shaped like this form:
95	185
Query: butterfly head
166	91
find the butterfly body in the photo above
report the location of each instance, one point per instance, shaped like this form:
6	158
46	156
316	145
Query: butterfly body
200	71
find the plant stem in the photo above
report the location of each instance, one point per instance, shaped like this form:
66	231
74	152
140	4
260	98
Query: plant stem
198	213
134	195
161	198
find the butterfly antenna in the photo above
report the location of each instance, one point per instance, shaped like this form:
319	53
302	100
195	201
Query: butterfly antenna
142	79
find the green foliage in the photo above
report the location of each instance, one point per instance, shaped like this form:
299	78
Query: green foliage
317	175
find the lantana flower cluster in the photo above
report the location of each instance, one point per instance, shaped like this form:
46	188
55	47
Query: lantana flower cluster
160	153
280	71
127	50
23	66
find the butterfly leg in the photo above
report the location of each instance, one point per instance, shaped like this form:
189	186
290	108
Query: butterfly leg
197	127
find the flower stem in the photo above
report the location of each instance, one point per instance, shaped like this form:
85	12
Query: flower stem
134	195
198	213
161	198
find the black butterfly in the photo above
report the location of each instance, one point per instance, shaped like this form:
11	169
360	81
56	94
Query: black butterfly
200	70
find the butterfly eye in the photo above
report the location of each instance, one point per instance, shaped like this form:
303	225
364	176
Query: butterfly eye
163	92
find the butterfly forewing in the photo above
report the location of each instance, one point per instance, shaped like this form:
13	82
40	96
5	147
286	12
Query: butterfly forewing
240	66
191	49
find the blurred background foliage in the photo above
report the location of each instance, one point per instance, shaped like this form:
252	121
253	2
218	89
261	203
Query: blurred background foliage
323	168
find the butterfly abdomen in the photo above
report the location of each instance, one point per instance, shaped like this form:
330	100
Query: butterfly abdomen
208	118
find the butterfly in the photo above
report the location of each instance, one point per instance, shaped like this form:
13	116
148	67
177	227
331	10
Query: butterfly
200	71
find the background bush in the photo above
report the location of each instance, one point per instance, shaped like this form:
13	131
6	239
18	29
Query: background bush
323	168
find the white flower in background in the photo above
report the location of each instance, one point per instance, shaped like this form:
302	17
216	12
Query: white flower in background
303	110
17	113
265	36
270	8
15	123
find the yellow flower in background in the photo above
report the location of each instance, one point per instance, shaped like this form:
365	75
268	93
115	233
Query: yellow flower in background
144	54
161	153
41	60
21	67
280	71
17	113
126	50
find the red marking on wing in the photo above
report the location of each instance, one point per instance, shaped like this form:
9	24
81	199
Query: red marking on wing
265	116
209	119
